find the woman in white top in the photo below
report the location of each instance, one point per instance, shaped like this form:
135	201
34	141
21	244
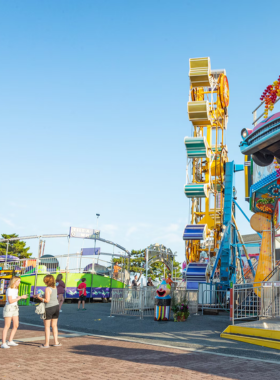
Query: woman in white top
10	312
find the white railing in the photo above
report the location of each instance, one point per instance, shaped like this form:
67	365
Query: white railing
140	301
256	300
215	299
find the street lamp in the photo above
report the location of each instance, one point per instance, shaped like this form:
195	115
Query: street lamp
97	215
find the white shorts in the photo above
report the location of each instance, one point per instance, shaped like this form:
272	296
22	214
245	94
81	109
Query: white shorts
10	311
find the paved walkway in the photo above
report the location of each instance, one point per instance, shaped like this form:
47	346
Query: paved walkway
198	333
84	356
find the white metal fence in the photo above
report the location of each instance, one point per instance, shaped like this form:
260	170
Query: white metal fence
256	300
140	301
212	298
215	299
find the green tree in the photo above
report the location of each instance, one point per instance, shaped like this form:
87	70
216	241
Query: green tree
16	247
156	270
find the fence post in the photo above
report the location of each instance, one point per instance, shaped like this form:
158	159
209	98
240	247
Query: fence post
202	300
231	308
273	299
196	313
36	273
141	299
262	302
112	305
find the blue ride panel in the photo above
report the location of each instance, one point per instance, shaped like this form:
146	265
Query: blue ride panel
196	273
227	254
194	232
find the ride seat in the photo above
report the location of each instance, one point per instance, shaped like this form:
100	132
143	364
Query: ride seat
199	73
199	113
197	147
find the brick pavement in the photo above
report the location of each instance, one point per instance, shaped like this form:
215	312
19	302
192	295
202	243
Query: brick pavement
88	357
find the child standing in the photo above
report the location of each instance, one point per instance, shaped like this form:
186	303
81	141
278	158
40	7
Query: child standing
10	312
60	285
82	293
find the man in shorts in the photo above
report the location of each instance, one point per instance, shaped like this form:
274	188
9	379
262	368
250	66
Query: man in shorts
82	288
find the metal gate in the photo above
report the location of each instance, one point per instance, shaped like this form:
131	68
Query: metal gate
140	301
256	300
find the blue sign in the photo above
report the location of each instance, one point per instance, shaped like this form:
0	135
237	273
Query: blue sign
90	251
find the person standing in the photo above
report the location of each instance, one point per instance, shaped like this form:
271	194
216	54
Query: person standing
117	268
135	285
135	280
60	286
169	280
52	311
150	282
82	288
10	312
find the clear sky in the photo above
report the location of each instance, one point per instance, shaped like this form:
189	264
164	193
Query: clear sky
93	110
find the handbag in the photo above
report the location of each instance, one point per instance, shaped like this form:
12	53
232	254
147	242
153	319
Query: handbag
41	310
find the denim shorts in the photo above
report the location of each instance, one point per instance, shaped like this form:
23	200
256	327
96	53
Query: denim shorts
10	311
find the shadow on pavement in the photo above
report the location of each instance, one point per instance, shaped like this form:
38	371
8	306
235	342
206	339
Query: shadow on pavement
204	363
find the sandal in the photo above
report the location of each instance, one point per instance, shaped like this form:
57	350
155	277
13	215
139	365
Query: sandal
44	346
57	345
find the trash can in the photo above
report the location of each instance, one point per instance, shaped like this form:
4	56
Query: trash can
162	302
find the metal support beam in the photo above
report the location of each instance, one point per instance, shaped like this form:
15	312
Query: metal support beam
245	215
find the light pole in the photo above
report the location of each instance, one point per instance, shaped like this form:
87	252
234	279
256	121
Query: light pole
173	264
97	215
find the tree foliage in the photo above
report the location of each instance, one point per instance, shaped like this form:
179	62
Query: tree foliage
156	270
16	247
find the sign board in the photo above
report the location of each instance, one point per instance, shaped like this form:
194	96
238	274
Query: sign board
90	251
85	233
277	284
260	172
267	284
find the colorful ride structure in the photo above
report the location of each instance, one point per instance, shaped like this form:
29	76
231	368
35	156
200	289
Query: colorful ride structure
261	148
100	279
211	238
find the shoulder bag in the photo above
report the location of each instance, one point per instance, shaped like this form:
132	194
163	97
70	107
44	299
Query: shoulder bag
41	310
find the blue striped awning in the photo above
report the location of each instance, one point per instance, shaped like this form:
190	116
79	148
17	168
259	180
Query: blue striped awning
194	232
196	273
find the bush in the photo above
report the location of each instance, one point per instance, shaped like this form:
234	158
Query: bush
181	309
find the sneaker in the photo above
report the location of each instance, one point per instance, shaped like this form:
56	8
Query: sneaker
12	343
4	345
78	309
84	309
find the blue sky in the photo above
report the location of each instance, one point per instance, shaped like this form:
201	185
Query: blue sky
93	110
